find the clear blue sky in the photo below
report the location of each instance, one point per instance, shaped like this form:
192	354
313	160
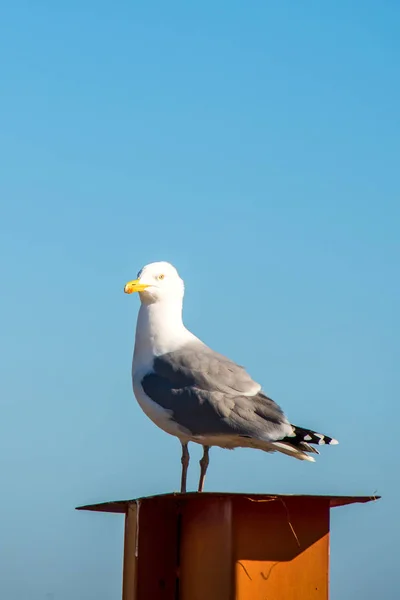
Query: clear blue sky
254	145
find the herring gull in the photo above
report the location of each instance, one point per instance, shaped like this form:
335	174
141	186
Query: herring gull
192	392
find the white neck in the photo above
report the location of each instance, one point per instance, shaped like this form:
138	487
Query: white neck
159	329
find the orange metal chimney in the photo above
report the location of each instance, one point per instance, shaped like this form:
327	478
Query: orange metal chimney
213	546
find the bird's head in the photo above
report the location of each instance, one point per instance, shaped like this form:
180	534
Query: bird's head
158	281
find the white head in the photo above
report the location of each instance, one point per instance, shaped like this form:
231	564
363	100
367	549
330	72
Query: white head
157	282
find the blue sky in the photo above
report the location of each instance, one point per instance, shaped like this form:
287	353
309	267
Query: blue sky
254	145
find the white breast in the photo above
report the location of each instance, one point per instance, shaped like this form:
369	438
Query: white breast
159	330
160	416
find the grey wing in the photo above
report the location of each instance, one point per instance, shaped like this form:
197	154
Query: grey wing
208	394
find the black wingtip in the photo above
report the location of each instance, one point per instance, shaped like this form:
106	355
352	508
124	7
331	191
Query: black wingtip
302	435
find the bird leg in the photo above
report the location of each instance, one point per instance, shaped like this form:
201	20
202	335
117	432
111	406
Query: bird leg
185	463
203	467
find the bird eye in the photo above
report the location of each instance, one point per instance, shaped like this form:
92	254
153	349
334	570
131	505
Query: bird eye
161	277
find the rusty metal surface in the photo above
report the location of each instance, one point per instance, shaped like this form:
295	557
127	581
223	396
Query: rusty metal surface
129	581
281	549
120	506
207	542
158	550
221	546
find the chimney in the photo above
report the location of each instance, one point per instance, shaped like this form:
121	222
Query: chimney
215	546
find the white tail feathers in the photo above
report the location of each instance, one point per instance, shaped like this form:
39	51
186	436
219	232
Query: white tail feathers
290	450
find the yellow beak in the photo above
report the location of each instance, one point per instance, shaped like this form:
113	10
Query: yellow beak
135	286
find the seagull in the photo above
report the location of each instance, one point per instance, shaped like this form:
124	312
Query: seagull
192	392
